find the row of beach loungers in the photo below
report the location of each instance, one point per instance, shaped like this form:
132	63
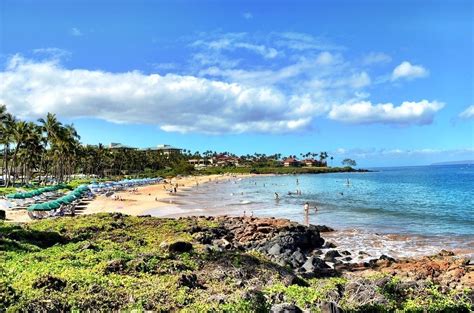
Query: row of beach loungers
47	202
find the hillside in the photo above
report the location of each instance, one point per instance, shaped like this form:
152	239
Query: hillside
115	262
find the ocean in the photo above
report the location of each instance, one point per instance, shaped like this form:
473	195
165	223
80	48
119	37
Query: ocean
399	211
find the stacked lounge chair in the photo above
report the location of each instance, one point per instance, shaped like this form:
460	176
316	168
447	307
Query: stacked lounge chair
64	205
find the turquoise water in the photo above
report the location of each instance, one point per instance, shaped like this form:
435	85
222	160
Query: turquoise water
433	204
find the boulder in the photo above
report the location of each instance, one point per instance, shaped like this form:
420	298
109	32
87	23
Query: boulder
285	308
331	256
314	264
275	249
330	307
180	247
3	215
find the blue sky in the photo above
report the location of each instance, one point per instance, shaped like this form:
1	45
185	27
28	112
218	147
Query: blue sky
383	82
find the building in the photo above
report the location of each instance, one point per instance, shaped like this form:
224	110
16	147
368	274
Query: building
119	146
290	162
166	150
310	162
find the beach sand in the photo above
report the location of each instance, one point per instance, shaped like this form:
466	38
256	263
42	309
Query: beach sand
152	197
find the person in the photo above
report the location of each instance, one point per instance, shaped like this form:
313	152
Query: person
297	181
306	207
277	197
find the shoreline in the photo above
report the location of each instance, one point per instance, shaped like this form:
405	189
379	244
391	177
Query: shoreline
156	201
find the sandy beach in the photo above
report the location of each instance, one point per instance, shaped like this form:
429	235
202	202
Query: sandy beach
155	197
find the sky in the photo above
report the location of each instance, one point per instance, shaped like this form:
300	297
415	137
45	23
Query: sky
386	83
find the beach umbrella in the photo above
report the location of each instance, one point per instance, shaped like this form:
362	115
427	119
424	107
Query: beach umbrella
34	207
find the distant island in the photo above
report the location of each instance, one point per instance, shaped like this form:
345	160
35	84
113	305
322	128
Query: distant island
454	162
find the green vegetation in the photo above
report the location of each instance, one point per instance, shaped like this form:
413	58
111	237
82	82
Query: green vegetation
51	152
112	262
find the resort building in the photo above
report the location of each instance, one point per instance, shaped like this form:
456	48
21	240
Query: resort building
166	150
310	162
119	146
290	162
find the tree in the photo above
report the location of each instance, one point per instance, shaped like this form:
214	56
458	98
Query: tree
349	162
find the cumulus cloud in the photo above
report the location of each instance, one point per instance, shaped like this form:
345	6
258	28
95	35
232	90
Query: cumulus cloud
365	112
174	102
468	113
408	71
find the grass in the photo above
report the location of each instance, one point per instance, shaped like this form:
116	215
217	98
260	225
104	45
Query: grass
111	262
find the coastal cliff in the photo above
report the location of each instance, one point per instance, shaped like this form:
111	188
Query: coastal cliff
237	264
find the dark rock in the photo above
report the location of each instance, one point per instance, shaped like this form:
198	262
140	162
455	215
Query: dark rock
49	282
3	215
446	253
347	259
330	307
387	258
285	308
314	264
144	215
189	280
115	266
345	252
329	245
275	249
180	247
331	256
323	228
195	229
298	257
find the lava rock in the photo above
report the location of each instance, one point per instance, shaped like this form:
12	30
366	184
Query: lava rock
330	307
189	280
331	256
49	282
275	249
314	264
285	308
329	245
180	247
3	215
115	266
323	228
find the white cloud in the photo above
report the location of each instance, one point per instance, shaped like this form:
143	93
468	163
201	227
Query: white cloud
376	58
468	113
76	32
55	53
247	15
303	42
408	71
365	112
174	102
232	42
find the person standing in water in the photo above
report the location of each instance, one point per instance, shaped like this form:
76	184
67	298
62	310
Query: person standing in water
277	197
306	214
